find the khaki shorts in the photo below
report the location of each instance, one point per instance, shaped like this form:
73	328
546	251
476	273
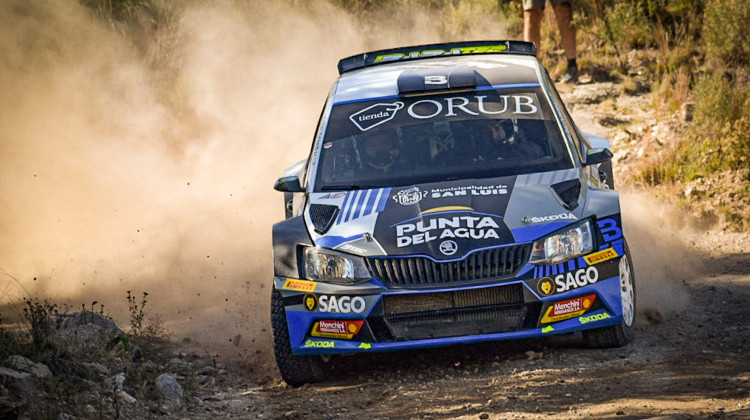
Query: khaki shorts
539	4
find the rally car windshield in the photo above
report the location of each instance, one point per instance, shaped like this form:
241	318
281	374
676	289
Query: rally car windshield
410	140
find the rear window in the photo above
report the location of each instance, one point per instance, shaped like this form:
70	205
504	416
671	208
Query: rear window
408	140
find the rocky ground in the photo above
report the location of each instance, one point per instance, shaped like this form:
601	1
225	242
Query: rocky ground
689	359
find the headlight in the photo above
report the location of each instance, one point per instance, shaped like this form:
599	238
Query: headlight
334	267
563	246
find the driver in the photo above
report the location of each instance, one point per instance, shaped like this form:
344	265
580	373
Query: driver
502	141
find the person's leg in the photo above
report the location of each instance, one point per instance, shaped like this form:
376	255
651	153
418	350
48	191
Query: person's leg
564	16
532	27
533	11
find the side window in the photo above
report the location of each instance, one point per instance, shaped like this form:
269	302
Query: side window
568	123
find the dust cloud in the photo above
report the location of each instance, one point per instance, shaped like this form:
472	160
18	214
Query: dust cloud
143	160
663	261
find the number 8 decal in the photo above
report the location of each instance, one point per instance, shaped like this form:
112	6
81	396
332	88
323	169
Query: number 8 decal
435	80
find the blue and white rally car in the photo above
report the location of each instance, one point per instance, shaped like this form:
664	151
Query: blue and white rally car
448	198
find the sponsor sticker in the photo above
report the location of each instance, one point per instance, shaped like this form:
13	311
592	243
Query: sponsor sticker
594	318
365	346
311	302
439	226
476	105
341	304
546	219
374	115
601	256
479	49
467	190
566	309
320	344
545	286
332	196
336	328
409	196
575	279
300	285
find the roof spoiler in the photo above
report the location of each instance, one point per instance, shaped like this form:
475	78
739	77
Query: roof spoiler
433	50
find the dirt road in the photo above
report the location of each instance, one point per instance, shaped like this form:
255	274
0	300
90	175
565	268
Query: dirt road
689	359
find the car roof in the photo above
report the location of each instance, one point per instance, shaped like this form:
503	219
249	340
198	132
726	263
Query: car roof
391	79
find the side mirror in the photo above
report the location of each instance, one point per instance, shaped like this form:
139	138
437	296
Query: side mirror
288	184
594	156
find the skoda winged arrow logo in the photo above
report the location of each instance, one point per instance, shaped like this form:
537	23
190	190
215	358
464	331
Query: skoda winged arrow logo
448	247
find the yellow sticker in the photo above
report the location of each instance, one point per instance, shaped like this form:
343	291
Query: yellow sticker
300	285
365	346
601	256
545	287
566	309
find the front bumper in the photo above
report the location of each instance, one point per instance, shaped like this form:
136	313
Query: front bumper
539	301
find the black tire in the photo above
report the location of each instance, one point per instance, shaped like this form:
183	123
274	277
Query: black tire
295	370
621	334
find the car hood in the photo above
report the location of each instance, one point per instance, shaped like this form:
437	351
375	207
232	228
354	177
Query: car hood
446	220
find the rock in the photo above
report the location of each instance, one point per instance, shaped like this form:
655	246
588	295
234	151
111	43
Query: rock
17	391
687	111
532	355
291	414
22	364
21	381
120	380
206	370
19	363
97	367
135	352
169	389
125	397
219	396
85	330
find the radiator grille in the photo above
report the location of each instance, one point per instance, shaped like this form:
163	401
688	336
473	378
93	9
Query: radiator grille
461	312
415	272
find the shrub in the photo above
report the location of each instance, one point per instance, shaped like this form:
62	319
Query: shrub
726	30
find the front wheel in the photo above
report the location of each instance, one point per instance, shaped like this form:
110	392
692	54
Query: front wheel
295	370
621	334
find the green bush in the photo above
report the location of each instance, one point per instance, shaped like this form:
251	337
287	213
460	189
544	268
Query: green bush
713	104
726	30
626	26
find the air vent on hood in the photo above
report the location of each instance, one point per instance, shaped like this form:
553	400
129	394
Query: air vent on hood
417	81
322	216
567	193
